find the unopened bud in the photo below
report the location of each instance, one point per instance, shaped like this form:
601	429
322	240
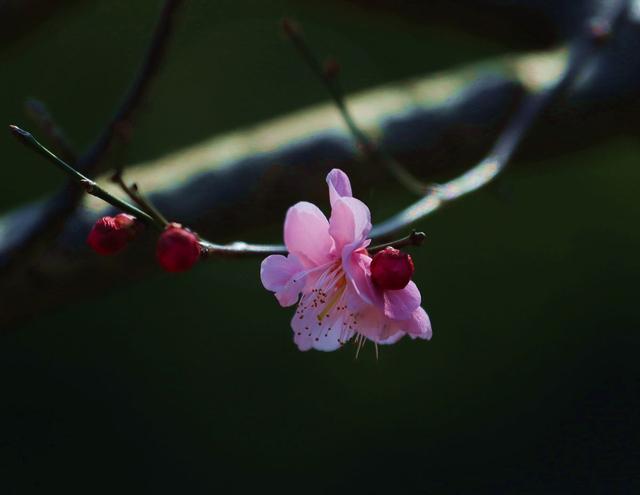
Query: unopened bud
391	269
110	235
178	249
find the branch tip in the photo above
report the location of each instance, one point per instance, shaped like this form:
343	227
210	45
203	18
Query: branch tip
18	132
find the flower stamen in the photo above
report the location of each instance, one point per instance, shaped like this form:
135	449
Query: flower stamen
334	299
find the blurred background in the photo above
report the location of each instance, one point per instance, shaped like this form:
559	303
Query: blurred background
192	383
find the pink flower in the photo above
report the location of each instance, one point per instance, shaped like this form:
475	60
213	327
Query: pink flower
329	266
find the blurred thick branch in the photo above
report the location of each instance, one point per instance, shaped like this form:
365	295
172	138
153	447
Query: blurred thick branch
437	125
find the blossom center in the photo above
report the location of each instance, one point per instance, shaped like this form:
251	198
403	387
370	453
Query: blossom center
341	285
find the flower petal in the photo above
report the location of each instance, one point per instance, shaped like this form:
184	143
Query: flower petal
372	323
339	185
357	267
419	325
400	304
324	319
327	334
375	326
284	276
306	234
392	339
350	223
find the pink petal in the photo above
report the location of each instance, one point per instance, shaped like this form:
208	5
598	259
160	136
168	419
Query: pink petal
392	339
284	276
327	334
374	325
419	325
350	223
356	266
400	304
324	320
339	185
306	234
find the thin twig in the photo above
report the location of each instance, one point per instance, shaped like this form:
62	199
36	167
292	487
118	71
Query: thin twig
89	186
65	201
242	248
94	189
156	219
239	248
413	239
328	76
137	197
598	31
470	181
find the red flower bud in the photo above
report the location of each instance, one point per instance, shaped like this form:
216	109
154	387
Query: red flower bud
110	235
178	249
391	269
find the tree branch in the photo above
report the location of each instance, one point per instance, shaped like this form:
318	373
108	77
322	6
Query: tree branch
152	217
228	191
89	186
597	32
328	75
52	218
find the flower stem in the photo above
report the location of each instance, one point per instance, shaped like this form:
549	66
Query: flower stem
413	239
87	184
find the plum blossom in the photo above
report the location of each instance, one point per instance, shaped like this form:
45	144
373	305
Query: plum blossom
328	273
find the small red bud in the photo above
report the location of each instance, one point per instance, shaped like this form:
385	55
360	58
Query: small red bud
110	235
178	249
391	269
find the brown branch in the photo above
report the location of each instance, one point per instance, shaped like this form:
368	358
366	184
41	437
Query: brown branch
137	197
414	239
58	208
328	75
597	32
149	215
254	187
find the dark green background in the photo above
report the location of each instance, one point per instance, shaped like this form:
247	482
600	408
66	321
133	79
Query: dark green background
192	384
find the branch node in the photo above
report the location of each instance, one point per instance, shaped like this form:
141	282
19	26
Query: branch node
88	185
417	238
